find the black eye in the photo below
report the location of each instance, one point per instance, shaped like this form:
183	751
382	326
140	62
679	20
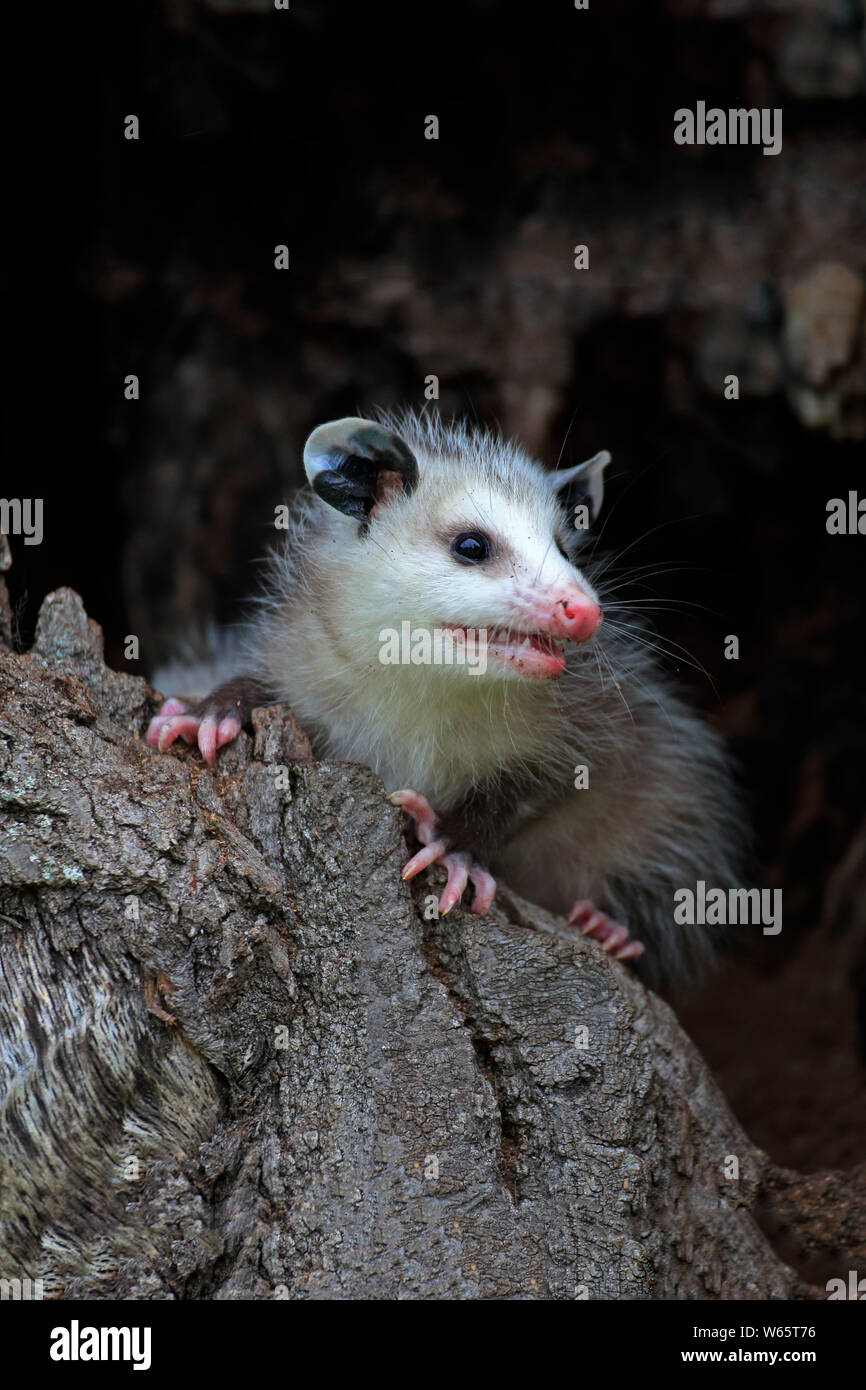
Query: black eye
471	547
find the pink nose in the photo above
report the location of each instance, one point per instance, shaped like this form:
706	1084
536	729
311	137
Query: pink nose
575	617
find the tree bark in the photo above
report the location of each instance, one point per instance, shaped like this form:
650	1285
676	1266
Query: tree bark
238	1062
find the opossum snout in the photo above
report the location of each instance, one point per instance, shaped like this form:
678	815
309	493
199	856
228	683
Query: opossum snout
573	615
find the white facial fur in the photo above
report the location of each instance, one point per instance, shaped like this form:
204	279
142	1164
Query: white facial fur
436	727
403	569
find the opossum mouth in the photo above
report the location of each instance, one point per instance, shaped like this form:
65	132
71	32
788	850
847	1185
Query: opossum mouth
531	654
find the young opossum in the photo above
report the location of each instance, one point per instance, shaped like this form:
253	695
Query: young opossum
448	528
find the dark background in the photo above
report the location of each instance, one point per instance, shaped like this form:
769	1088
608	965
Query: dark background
455	257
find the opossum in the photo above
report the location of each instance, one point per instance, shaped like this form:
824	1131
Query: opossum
569	766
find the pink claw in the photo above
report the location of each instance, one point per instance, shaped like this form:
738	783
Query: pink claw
212	735
612	936
458	866
418	808
172	706
183	726
228	730
437	849
485	889
207	738
631	951
581	911
174	722
167	718
425	857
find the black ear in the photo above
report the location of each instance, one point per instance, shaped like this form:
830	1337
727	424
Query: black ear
582	485
353	464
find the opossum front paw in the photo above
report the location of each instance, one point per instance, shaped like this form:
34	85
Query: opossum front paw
461	867
208	726
613	936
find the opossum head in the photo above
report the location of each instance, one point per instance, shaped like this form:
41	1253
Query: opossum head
455	531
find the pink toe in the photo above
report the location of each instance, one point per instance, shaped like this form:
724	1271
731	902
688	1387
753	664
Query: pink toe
458	876
153	731
172	706
630	951
207	739
179	726
229	728
615	937
604	930
418	808
592	924
485	889
425	857
410	800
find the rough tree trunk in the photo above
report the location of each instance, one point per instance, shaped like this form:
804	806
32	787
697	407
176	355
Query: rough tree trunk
239	1063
